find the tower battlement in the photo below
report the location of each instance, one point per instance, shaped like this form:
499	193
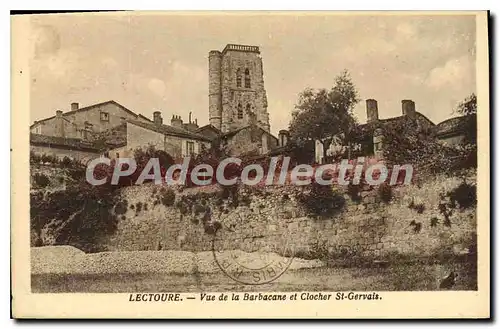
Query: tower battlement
245	48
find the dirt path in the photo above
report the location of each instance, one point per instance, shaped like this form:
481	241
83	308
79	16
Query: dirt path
403	277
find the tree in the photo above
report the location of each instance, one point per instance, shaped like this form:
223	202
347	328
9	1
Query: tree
326	115
468	108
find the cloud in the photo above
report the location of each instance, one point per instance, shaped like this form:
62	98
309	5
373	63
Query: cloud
452	74
45	40
60	66
157	86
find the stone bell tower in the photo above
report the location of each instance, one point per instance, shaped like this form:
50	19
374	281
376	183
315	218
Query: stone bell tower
237	96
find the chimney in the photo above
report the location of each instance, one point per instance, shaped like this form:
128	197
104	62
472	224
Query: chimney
74	106
157	119
408	107
371	110
59	123
283	137
176	121
192	125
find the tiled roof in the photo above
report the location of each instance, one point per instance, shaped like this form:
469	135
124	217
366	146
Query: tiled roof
234	132
86	108
450	126
169	130
62	142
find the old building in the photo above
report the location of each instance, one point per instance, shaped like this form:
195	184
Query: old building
175	139
238	113
84	122
236	88
238	116
448	132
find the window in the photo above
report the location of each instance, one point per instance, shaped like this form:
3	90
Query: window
104	116
247	78
238	78
38	130
240	112
249	108
190	148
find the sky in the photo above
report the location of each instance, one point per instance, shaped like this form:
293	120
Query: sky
154	61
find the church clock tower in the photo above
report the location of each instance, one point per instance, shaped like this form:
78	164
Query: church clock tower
237	97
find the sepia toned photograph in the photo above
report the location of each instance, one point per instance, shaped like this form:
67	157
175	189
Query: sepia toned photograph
267	158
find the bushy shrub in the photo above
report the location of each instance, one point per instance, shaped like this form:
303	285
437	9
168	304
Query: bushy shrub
35	158
121	207
138	207
463	195
41	180
66	162
385	192
49	159
167	197
82	215
354	192
418	207
321	200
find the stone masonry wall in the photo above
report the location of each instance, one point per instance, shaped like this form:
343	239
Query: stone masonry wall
268	219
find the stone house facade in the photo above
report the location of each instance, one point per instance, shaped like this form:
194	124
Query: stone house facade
448	132
84	122
176	141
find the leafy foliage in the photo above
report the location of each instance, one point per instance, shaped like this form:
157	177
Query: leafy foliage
464	196
78	216
326	115
385	192
321	200
468	108
41	180
406	142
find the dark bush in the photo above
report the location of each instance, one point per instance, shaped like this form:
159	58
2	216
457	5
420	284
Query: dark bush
463	195
321	200
354	192
77	173
419	207
138	207
49	158
385	192
121	207
167	197
41	180
85	213
35	158
211	227
66	162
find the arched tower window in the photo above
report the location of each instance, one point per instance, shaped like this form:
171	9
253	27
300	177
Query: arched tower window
248	108
240	111
238	78
247	78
